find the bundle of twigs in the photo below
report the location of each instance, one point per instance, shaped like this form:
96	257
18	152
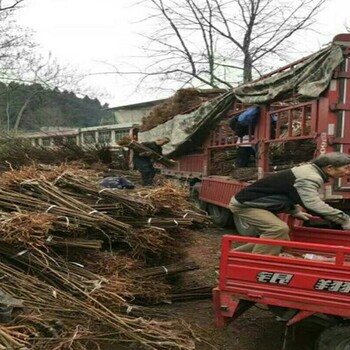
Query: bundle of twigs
139	292
153	242
245	174
131	204
161	271
35	171
147	312
51	320
222	161
109	263
73	298
167	199
165	223
141	148
114	210
198	217
33	228
292	152
81	243
13	201
197	220
195	293
184	101
16	152
40	195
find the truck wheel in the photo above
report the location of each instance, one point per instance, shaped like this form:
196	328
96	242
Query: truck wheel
220	216
195	191
243	228
334	338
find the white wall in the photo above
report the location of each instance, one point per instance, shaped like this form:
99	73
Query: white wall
131	115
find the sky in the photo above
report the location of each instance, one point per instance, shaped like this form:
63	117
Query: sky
94	35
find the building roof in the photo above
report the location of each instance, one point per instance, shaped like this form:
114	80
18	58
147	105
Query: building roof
75	131
110	126
138	105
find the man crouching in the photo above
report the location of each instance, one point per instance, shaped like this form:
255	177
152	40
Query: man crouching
283	192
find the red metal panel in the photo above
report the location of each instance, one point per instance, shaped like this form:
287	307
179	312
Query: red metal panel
192	163
345	115
188	166
311	286
320	236
341	99
221	136
219	191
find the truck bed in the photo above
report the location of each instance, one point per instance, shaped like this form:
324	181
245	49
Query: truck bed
309	286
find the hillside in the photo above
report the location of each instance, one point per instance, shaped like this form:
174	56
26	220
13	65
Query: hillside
33	106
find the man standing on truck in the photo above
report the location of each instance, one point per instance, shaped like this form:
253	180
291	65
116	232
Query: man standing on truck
144	163
243	126
284	192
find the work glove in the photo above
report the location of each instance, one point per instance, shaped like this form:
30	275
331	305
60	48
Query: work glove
346	226
301	215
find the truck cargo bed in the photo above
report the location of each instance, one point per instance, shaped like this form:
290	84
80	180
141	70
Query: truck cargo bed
309	286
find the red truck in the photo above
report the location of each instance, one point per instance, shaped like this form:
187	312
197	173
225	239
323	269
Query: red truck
289	131
292	287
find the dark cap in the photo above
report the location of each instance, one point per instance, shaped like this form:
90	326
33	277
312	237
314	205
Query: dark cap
335	159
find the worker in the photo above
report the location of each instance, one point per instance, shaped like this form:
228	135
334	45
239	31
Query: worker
284	192
144	163
243	125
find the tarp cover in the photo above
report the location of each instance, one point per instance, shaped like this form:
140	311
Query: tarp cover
186	130
307	79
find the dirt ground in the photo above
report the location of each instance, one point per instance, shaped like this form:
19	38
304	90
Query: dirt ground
257	329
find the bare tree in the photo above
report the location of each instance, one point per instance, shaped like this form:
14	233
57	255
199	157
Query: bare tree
185	48
218	42
7	5
20	63
16	45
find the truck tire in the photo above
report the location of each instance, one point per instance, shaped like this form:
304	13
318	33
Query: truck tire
243	228
220	216
334	338
194	194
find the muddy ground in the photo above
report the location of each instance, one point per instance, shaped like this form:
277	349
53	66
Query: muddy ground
257	329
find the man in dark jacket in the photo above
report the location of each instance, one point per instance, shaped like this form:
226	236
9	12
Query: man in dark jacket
144	163
284	192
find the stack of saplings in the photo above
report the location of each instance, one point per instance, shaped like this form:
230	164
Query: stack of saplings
87	263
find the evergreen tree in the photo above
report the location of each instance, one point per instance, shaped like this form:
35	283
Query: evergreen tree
30	107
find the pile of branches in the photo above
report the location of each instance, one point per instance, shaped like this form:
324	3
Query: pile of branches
140	148
292	152
17	152
88	262
184	101
222	161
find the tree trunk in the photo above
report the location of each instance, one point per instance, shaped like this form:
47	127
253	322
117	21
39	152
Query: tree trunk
247	67
21	111
20	114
